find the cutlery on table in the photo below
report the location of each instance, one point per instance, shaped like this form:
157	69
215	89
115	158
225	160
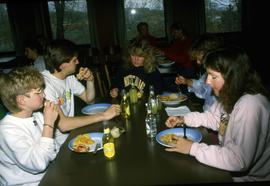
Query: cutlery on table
98	145
184	128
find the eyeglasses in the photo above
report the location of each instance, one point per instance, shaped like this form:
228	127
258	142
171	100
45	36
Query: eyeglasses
39	91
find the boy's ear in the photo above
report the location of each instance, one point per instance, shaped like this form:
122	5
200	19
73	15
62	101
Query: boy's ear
62	66
20	100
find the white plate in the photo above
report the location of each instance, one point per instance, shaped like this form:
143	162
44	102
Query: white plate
177	111
166	64
191	133
96	136
173	102
95	108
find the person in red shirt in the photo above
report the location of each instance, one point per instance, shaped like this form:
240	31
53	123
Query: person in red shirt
178	51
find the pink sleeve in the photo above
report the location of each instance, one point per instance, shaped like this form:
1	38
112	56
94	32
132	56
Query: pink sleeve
244	139
209	119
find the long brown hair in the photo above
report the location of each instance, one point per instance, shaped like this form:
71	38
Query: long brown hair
240	78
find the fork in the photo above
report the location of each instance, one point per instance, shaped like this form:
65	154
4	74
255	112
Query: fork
179	90
184	128
98	145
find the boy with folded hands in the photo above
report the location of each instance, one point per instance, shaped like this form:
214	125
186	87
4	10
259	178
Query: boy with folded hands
61	61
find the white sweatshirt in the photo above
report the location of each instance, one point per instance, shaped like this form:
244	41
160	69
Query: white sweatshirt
24	153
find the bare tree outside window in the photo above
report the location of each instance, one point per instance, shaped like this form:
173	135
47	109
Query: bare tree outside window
223	16
6	42
150	11
69	20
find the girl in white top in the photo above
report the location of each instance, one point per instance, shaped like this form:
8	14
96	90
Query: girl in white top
26	137
241	115
199	48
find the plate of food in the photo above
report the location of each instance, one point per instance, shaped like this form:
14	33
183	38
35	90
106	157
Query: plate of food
166	136
166	63
95	108
86	142
170	98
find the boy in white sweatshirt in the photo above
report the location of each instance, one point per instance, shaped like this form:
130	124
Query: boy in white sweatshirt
26	137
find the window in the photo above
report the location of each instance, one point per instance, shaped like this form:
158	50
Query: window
223	16
69	20
6	42
150	11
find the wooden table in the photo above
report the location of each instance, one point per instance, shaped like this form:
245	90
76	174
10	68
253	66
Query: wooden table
138	161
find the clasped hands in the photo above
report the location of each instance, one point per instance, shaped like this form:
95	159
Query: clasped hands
179	144
85	74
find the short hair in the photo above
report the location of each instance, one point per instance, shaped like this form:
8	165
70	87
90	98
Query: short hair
34	45
204	44
19	81
178	26
58	52
141	24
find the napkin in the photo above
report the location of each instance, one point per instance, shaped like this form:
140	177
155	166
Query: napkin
177	111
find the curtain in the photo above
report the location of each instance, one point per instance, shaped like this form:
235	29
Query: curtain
168	9
17	34
201	17
120	35
92	24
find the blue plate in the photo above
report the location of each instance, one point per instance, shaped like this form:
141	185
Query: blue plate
95	108
191	133
96	136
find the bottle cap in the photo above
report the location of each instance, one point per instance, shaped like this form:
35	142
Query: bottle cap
107	130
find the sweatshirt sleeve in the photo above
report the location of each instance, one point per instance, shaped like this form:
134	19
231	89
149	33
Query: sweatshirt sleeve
30	155
209	119
199	87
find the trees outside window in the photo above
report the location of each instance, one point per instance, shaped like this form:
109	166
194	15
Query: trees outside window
150	11
223	16
69	20
6	42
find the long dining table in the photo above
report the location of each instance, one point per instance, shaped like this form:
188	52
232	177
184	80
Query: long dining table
138	161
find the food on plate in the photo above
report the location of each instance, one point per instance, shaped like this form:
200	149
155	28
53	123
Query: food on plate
81	148
168	138
79	76
172	97
82	143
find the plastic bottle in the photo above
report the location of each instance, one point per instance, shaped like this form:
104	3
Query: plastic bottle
125	107
151	123
108	144
152	101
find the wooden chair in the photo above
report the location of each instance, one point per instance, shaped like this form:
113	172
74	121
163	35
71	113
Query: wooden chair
98	83
103	80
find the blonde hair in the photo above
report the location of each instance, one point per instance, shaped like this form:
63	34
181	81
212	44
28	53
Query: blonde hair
142	49
19	81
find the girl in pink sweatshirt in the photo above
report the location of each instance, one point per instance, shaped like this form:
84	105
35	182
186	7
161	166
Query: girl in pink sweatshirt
241	115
